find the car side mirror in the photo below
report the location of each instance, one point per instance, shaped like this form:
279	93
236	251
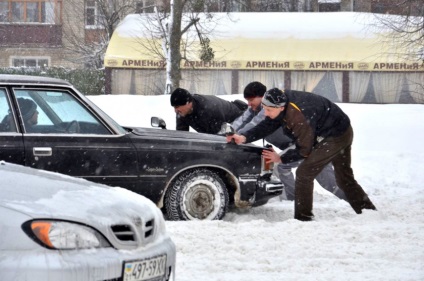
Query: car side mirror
157	122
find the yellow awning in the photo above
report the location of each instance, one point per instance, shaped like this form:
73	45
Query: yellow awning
274	41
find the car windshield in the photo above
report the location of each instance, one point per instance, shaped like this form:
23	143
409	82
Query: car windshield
57	111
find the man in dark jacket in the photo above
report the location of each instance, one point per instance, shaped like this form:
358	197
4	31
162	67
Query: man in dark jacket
322	134
205	114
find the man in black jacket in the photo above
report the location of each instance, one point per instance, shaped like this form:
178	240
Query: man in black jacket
322	134
205	114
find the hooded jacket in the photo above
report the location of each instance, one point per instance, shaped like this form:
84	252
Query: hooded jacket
307	119
209	113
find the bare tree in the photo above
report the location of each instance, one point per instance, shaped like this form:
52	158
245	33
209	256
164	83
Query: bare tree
406	36
406	30
177	35
90	25
173	34
189	24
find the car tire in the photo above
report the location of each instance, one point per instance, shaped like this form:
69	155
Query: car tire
198	194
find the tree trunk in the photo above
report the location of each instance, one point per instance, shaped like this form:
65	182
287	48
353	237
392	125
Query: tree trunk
173	71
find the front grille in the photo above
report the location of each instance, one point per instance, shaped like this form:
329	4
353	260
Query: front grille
127	234
148	228
123	232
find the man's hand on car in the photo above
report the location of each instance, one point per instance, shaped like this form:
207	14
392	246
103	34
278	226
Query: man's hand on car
271	156
238	139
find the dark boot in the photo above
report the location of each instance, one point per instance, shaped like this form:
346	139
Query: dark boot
302	217
365	204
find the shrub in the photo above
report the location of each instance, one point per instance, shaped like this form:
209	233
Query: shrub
87	81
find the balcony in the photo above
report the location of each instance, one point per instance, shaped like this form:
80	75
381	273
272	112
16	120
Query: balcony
30	35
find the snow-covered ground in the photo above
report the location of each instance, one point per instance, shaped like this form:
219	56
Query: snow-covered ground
267	244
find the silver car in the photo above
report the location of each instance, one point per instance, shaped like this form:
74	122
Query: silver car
55	227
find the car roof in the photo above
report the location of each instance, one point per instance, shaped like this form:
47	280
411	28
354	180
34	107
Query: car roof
28	79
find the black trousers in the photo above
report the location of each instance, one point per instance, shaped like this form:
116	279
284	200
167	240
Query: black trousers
335	150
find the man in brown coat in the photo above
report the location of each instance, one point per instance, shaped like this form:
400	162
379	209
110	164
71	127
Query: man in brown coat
322	134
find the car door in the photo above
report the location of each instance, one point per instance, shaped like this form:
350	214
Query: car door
70	138
11	140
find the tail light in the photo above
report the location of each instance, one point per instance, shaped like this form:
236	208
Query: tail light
266	167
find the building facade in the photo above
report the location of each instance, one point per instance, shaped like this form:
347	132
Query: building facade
57	33
31	33
65	33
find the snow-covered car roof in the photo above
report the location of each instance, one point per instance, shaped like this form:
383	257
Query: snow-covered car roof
24	79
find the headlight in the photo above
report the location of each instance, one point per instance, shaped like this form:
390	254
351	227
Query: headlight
62	235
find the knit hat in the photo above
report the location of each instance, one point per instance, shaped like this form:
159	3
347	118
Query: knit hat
27	107
274	98
180	97
254	89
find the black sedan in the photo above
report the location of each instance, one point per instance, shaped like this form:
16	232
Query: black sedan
47	124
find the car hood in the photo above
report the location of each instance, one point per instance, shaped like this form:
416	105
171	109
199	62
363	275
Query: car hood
177	134
27	191
187	136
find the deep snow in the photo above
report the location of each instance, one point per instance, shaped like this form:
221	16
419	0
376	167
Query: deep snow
266	243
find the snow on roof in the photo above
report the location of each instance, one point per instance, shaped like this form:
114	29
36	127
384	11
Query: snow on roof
329	1
272	25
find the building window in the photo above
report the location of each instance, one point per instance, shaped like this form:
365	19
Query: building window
31	11
145	6
329	5
4	7
93	14
30	62
381	8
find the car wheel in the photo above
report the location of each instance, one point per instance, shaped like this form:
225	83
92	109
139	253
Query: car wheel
198	194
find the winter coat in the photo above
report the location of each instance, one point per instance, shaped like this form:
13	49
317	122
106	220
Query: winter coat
209	113
251	118
308	119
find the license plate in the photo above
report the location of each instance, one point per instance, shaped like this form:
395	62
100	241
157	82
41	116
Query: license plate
145	269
